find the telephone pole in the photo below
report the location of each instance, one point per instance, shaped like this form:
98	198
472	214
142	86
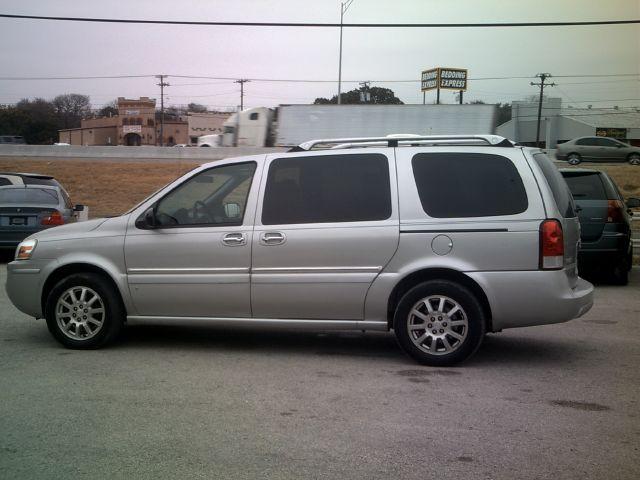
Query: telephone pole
344	6
365	95
542	77
242	81
162	84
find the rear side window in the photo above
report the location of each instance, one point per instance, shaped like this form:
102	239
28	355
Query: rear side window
586	185
559	189
39	181
29	196
454	185
326	189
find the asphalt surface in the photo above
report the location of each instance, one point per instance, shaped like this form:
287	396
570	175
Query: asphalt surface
558	402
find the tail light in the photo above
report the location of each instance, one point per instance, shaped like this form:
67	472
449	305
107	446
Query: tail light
614	211
52	218
551	245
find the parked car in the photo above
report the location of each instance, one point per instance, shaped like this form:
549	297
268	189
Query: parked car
605	221
441	239
597	149
11	140
29	203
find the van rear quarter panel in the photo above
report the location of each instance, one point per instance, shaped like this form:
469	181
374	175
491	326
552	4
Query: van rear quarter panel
508	243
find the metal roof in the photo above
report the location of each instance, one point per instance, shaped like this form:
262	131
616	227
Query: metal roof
610	118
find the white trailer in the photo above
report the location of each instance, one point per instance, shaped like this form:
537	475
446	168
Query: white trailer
300	123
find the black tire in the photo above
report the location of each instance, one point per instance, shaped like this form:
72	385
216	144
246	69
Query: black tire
112	317
471	309
574	159
634	159
620	273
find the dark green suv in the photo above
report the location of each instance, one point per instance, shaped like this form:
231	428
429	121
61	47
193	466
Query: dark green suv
605	223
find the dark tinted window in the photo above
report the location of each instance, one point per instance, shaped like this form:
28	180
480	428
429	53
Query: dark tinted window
327	188
26	196
40	181
606	142
253	116
453	185
586	141
558	186
5	181
585	185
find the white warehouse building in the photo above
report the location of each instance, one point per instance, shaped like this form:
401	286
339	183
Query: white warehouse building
559	124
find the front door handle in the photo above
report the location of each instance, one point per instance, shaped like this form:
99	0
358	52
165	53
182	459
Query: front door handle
234	239
272	238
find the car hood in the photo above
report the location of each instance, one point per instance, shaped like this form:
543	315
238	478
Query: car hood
71	230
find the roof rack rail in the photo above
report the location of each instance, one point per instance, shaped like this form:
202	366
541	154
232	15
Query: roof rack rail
396	140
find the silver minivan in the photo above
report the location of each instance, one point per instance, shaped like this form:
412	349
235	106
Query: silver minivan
440	239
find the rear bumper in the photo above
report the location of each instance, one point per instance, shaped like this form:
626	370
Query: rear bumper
523	299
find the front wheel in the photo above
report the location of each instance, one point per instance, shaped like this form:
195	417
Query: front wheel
439	323
84	311
634	159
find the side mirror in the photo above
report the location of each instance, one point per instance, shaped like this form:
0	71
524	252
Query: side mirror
633	202
147	220
232	210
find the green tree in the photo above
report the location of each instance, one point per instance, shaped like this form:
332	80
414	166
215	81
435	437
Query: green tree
109	110
35	120
379	95
196	108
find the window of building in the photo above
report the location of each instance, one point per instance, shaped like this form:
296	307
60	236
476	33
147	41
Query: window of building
125	121
216	196
456	185
327	188
253	116
150	122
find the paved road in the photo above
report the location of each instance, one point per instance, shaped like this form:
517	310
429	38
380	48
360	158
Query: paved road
558	402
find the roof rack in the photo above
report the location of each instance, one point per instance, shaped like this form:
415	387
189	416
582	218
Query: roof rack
397	140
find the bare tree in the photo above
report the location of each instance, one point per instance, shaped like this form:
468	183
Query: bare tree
70	108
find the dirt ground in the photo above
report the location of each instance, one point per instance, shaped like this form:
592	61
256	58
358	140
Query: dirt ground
111	188
108	188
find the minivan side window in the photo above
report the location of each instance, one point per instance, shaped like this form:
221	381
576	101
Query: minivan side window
213	197
326	189
455	185
559	188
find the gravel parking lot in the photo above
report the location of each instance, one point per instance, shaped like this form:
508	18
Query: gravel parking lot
558	401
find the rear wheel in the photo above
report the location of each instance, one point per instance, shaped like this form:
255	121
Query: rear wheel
83	311
439	323
574	159
634	159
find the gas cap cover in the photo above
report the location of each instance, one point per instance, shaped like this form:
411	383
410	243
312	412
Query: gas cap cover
441	245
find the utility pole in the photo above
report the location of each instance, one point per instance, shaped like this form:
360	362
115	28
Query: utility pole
542	77
344	6
162	84
242	81
365	95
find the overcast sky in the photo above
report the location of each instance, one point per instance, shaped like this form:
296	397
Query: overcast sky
45	48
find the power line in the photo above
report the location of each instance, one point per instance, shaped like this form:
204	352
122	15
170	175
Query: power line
322	25
292	80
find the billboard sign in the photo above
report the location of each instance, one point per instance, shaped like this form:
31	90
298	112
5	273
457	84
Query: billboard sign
132	129
444	78
453	78
430	79
620	133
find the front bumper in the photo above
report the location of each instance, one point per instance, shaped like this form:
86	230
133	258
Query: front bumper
24	286
523	299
